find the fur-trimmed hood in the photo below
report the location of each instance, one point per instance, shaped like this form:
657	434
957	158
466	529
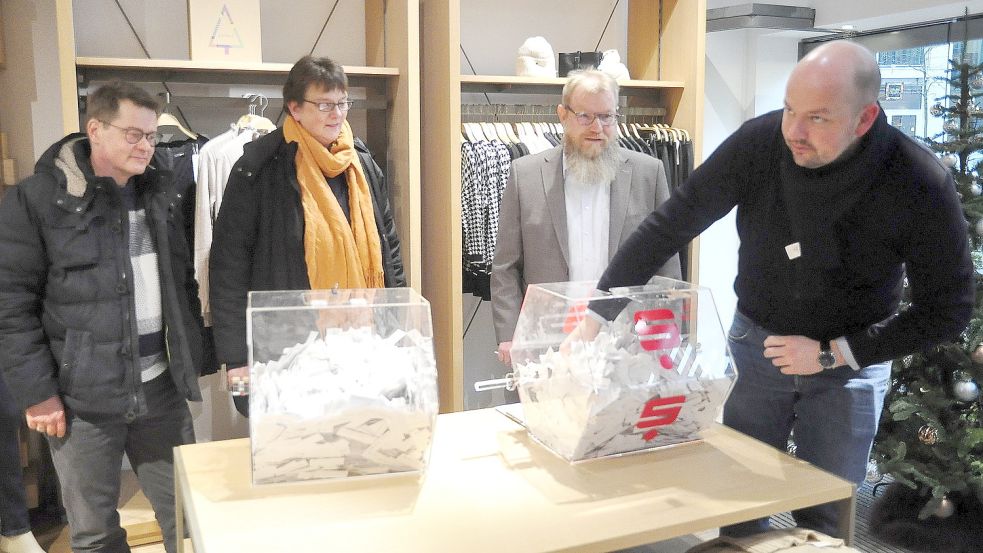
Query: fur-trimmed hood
61	161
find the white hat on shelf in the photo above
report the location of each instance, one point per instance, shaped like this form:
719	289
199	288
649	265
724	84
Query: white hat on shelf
535	58
611	64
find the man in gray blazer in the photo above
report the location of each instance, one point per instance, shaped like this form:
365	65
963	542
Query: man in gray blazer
566	211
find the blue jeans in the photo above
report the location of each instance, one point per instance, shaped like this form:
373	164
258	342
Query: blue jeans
89	457
13	502
832	416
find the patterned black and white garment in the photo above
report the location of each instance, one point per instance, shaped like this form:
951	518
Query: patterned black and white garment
484	172
146	287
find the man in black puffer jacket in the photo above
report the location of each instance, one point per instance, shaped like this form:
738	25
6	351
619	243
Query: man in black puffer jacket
100	323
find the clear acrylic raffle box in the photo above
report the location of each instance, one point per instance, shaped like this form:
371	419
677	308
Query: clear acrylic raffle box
656	375
343	383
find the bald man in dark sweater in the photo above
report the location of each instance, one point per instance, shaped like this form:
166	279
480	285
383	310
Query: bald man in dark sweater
834	207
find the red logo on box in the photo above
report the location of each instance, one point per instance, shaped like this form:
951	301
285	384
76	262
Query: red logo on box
661	324
659	411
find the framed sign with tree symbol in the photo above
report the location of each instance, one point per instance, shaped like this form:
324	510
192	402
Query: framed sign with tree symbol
225	30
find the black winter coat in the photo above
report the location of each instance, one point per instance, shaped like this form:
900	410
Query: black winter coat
67	306
258	240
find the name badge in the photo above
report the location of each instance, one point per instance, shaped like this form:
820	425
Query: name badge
793	250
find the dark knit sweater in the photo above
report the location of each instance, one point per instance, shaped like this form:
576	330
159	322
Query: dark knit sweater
888	207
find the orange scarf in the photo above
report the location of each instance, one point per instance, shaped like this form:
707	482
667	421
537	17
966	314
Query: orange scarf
337	253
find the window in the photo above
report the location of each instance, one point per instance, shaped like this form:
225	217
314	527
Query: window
904	123
908	56
893	91
914	62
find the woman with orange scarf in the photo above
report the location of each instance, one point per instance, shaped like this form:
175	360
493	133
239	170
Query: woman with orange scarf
306	207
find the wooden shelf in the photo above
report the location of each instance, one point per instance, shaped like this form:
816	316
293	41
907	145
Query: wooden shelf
537	85
143	70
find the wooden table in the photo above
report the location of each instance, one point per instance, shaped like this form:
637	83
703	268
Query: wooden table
490	487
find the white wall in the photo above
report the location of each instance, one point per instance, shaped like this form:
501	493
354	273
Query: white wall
289	29
745	75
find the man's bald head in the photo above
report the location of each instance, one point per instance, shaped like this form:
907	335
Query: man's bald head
846	63
830	103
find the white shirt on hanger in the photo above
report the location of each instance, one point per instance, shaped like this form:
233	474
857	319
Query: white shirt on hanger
215	162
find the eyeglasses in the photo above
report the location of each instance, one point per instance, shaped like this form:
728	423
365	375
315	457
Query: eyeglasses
134	135
587	119
343	106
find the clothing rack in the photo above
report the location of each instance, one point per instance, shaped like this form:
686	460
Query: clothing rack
535	113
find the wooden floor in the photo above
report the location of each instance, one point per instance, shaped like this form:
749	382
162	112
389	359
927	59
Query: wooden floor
136	515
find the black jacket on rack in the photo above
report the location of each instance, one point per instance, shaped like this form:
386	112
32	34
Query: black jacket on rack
176	157
258	243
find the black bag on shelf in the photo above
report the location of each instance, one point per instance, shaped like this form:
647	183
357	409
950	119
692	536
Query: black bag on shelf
573	61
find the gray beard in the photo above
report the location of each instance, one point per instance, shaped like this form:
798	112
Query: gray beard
587	170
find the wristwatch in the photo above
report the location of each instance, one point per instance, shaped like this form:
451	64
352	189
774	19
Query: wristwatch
826	358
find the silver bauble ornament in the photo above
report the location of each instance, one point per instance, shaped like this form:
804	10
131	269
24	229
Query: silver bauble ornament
937	110
966	390
977	355
950	160
928	435
945	509
873	475
976	189
950	126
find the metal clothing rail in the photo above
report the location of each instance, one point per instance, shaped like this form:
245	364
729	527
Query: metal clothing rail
535	113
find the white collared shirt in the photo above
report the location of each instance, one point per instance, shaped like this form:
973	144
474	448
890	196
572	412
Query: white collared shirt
588	222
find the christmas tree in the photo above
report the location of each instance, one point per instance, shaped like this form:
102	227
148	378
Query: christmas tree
931	439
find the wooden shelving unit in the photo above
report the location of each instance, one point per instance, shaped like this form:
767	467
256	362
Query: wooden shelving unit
669	71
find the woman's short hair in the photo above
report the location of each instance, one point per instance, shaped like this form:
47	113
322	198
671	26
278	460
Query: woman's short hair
103	104
322	72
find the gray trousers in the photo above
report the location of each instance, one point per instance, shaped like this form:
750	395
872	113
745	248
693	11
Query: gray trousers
89	457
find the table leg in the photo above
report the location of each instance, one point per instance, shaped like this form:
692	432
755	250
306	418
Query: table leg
178	507
847	509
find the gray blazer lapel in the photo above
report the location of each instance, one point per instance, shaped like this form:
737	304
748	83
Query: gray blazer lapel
620	192
555	202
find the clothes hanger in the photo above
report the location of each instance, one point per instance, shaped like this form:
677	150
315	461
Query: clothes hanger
510	130
252	121
165	119
476	133
491	131
503	132
469	132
